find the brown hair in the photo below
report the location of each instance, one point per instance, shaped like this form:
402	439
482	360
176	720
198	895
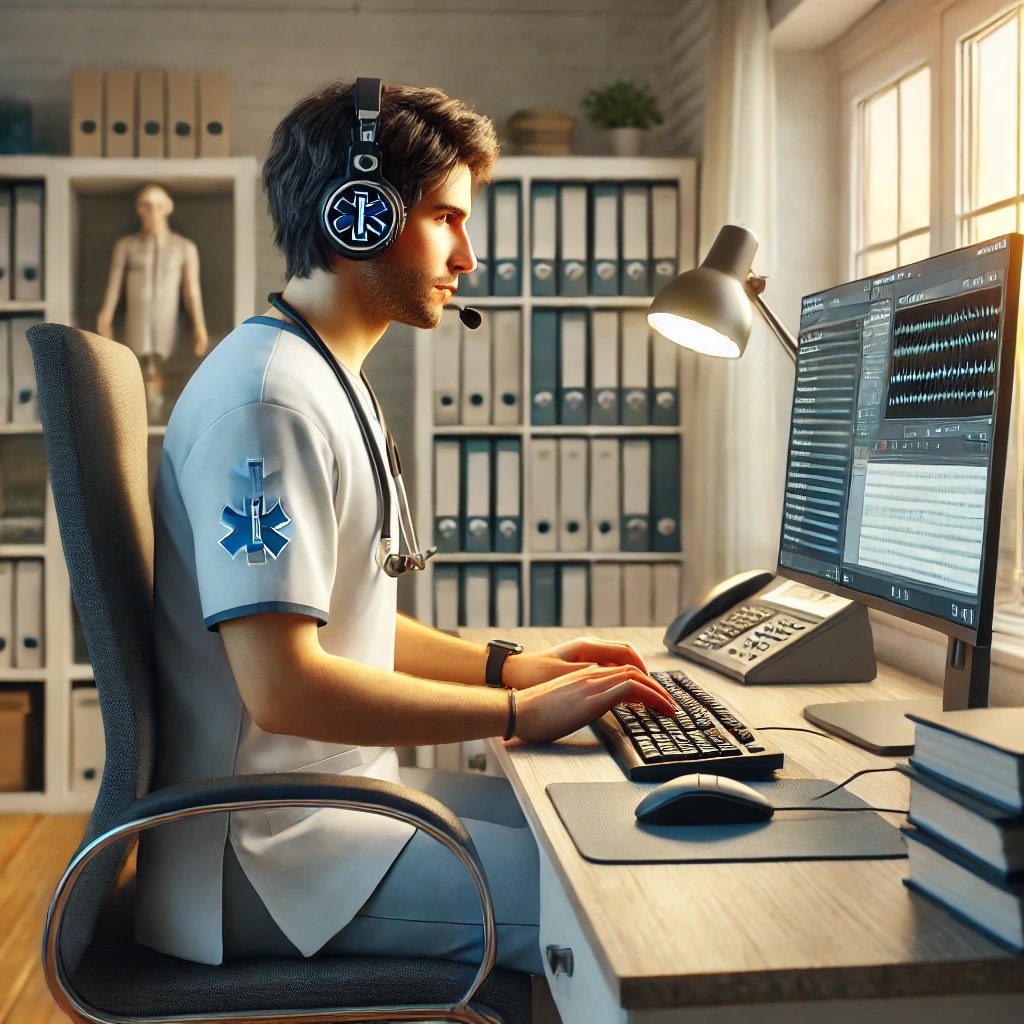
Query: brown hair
422	133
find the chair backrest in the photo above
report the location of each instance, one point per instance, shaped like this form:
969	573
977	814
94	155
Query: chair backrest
93	407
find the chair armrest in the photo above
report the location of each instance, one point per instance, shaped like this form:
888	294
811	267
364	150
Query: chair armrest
262	792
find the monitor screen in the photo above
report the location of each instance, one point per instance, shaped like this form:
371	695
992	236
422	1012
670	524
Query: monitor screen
898	436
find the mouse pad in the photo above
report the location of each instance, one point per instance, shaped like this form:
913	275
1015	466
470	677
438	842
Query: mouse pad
599	817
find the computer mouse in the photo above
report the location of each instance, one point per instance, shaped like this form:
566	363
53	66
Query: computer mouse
703	800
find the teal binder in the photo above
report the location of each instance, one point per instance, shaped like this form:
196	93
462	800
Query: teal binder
508	502
604	235
506	238
476	495
544	235
544	368
505	581
665	469
543	594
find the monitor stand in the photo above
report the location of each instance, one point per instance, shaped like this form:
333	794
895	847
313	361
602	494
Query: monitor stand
882	727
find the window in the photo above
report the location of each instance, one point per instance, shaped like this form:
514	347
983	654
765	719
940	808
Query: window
895	134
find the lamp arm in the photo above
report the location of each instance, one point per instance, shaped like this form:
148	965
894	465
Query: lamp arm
754	286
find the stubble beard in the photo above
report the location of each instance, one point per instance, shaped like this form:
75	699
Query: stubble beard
399	291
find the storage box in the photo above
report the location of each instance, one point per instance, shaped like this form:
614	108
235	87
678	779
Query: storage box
15	708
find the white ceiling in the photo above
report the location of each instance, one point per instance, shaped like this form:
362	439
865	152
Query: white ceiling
813	24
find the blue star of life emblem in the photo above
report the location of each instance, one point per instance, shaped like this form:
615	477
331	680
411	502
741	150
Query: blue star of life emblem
256	528
361	214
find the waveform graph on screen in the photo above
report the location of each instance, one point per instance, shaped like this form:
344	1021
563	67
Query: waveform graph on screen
945	357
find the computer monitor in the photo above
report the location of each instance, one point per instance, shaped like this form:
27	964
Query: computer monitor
897	447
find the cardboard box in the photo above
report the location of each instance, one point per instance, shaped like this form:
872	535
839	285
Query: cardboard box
15	708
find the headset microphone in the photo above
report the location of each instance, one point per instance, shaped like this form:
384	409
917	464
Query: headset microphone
472	318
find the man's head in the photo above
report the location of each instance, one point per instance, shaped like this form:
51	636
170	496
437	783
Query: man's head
435	151
154	206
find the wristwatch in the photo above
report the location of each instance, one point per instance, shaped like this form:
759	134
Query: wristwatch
497	652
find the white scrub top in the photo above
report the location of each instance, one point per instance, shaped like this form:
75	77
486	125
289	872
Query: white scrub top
266	501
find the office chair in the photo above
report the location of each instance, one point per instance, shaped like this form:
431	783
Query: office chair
93	409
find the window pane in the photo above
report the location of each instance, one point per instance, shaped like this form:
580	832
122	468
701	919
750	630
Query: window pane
878	261
994	110
914	249
988	225
915	150
880	167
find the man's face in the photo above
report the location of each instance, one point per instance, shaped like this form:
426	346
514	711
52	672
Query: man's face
153	205
415	278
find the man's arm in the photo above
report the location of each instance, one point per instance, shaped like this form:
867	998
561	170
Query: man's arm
290	685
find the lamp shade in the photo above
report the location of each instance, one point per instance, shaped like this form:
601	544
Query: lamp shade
708	309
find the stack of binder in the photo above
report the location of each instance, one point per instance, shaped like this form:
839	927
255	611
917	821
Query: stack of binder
21	613
967	807
19	402
21	242
477	596
495	229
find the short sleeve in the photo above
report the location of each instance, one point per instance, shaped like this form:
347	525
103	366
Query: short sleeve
259	487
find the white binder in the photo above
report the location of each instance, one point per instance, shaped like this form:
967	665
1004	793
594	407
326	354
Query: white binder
636	495
572	387
506	602
573	530
574	595
573	230
543	494
635	368
6	203
635	240
636	594
447	495
606	594
6	613
446	597
664	380
544	222
477	532
507	248
28	613
667	583
476	375
24	399
604	367
447	349
28	243
477	581
5	371
604	494
88	748
664	234
507	500
479	230
507	365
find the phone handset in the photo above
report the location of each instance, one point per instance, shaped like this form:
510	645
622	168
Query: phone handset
717	600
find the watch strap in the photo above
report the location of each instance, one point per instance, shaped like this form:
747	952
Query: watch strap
497	652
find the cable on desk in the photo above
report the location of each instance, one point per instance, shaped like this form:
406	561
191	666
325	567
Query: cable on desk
795	728
880	810
855	775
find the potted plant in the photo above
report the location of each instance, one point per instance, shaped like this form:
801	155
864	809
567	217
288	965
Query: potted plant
625	110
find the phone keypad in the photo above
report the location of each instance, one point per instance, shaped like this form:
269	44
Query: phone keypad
720	632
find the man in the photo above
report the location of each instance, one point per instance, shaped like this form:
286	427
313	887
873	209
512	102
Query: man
294	659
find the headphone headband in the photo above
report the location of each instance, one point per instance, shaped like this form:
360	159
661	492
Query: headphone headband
366	97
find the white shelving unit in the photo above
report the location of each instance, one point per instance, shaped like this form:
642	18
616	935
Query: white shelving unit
527	170
68	182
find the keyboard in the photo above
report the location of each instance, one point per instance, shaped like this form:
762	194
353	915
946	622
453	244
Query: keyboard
706	736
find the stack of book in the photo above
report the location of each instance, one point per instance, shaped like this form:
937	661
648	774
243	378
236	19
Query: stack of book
967	808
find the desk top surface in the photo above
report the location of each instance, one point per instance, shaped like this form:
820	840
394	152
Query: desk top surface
669	935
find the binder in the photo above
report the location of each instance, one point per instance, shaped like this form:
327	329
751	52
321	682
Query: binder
635	240
574	240
604	367
6	238
5	371
664	402
181	114
119	96
573	400
636	495
604	277
446	597
447	495
667	584
544	224
606	594
544	594
28	243
447	356
507	606
507	248
507	367
543	367
88	748
637	584
476	595
507	497
28	613
665	470
24	400
214	113
152	133
448	757
6	613
476	515
87	113
573	530
573	611
476	375
605	492
477	282
543	493
664	234
635	410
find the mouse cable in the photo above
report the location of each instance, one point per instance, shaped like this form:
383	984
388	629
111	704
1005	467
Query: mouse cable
880	810
793	728
855	775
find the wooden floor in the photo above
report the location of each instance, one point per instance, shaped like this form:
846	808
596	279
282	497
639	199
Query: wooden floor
34	851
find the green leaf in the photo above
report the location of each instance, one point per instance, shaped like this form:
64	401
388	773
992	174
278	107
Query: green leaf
623	104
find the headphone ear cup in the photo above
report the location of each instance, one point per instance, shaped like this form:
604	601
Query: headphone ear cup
361	218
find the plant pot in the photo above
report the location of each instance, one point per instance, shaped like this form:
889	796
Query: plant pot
626	141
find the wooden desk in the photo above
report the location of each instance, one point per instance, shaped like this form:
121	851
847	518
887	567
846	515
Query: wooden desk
837	941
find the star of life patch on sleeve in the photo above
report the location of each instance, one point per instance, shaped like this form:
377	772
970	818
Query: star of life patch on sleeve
256	528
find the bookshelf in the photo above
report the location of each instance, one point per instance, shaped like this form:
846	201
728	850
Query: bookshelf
526	171
87	201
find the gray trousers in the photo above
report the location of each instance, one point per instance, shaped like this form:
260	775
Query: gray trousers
426	905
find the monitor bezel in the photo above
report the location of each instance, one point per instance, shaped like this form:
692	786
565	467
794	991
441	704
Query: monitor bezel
982	635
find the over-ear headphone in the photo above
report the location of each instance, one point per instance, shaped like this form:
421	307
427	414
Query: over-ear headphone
362	213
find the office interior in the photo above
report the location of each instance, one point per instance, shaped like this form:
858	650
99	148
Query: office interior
853	137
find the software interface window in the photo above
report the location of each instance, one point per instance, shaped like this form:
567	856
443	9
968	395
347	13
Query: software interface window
890	444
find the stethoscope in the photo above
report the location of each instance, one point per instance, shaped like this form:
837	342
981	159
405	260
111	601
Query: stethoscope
393	563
